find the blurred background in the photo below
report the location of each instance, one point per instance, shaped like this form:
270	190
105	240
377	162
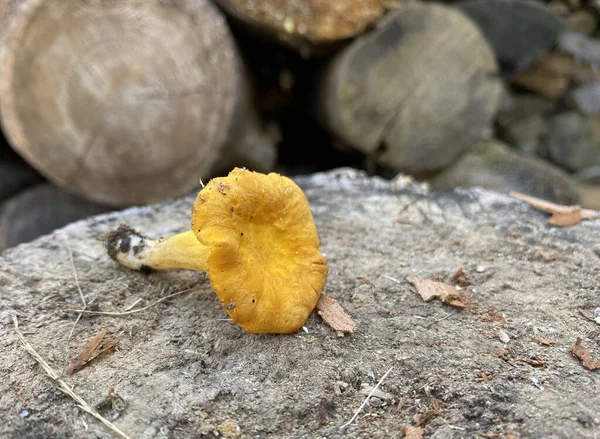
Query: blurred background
108	104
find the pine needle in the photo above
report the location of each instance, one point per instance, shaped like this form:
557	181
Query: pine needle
62	385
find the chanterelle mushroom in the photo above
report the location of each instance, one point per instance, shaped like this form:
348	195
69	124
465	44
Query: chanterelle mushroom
255	236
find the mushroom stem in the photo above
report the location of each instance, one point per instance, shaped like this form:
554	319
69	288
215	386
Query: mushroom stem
138	252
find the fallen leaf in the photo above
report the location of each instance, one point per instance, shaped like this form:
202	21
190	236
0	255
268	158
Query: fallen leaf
334	315
430	289
545	341
95	347
411	432
584	355
562	216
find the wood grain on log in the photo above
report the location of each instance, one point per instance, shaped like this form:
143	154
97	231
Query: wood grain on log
121	102
415	92
305	23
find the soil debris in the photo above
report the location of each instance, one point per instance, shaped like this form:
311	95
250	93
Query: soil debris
548	255
503	336
460	278
584	355
93	349
230	429
561	215
429	290
411	432
545	341
483	378
334	315
492	316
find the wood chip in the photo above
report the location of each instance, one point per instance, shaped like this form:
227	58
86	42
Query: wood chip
334	315
584	355
95	347
411	432
561	215
429	290
545	341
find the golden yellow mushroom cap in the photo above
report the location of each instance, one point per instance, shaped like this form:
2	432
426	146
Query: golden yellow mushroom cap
264	263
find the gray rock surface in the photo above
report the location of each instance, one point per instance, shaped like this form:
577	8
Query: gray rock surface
182	370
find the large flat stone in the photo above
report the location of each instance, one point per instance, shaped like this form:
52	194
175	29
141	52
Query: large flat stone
183	369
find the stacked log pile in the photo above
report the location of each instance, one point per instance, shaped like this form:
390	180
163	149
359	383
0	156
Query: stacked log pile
128	103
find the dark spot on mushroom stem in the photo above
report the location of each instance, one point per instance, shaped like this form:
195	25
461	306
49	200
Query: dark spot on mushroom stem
232	209
253	300
242	233
119	241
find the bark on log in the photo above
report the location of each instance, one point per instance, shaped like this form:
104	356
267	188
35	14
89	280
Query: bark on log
39	211
181	370
415	92
125	102
303	24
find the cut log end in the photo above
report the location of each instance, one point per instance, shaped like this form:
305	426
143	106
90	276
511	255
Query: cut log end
414	93
121	102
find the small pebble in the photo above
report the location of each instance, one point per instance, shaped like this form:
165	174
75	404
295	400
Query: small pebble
24	414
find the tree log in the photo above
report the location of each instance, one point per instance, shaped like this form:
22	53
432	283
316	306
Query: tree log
520	31
39	211
306	23
415	92
125	102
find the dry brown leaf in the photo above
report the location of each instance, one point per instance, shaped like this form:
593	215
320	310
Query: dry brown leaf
430	289
584	355
545	341
334	315
95	347
562	216
411	432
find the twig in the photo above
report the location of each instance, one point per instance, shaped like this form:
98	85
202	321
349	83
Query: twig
63	386
130	307
124	313
393	279
82	299
362	406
